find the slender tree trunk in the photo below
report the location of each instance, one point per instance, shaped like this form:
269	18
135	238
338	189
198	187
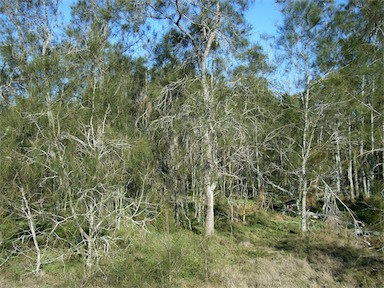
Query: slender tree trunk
356	176
209	220
210	173
119	196
260	192
350	166
372	156
202	51
304	180
32	228
365	184
306	144
338	160
350	178
363	172
304	198
210	185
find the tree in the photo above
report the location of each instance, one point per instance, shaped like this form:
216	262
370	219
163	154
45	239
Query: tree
29	33
357	51
205	25
362	52
305	23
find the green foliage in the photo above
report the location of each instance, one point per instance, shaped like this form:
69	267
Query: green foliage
370	211
159	260
96	135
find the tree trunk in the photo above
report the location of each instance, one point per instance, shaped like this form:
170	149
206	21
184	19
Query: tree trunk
350	166
260	191
210	185
372	156
338	160
356	176
304	227
363	173
32	228
306	146
201	53
209	220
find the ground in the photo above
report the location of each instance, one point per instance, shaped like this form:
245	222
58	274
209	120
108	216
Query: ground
266	251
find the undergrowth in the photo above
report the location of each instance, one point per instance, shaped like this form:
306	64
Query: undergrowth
266	251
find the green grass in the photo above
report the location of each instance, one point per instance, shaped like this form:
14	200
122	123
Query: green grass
266	251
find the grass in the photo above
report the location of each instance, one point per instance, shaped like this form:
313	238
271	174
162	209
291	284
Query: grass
266	251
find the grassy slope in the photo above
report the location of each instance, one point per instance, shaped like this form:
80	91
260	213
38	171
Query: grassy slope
267	251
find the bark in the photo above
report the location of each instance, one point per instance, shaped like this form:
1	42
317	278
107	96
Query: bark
363	173
209	220
32	228
372	156
350	164
260	191
356	176
306	143
338	160
208	143
304	200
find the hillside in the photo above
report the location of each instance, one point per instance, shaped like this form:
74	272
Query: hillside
154	143
267	251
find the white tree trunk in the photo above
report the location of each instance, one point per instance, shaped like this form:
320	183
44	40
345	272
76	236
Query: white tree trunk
32	228
304	226
350	166
338	160
355	178
373	158
202	53
209	220
306	146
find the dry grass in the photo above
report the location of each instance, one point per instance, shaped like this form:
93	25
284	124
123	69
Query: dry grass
267	252
280	271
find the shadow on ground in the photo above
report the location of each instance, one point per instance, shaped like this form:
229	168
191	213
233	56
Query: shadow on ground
343	262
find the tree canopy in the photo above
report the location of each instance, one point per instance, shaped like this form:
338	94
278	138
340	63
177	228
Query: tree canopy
107	122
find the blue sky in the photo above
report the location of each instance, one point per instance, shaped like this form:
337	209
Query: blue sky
263	15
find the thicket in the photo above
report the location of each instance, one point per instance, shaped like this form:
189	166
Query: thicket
111	129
